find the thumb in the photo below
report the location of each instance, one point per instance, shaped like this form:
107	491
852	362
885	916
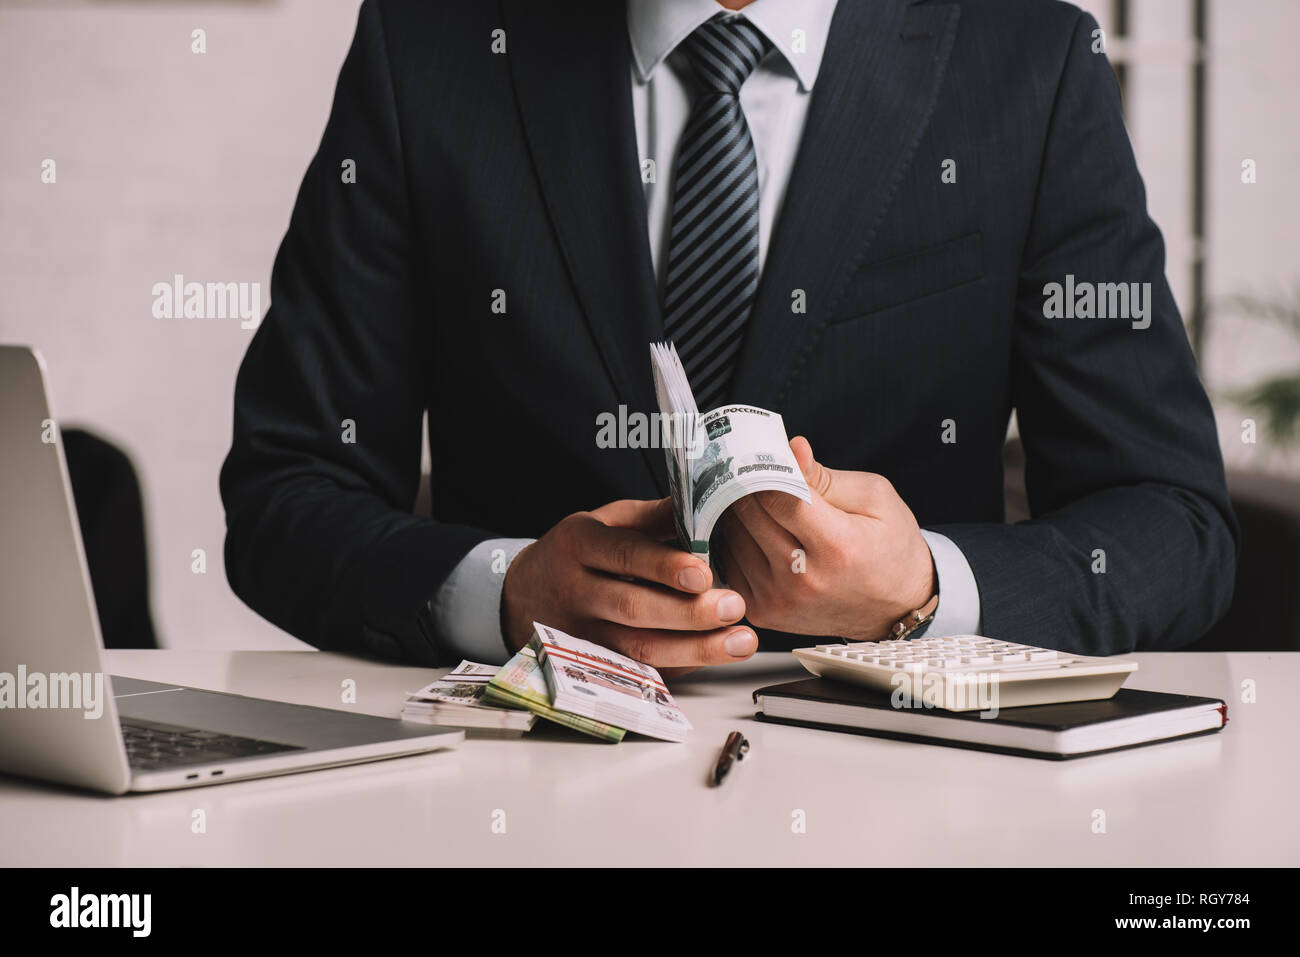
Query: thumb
848	491
653	517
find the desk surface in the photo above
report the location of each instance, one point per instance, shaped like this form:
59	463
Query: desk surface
1226	799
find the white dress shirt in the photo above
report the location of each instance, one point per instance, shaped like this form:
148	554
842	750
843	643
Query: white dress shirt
775	100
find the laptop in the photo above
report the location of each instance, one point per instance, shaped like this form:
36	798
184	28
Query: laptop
62	719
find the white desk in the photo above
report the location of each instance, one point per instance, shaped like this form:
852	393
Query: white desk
1226	799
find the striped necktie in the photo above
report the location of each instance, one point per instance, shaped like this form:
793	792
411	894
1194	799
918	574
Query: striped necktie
713	265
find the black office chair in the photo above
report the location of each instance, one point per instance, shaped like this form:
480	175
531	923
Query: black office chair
111	514
1265	610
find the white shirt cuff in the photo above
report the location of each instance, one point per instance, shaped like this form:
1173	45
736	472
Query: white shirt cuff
959	597
467	608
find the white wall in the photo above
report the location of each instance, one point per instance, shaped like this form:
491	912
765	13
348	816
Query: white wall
167	162
1253	112
170	162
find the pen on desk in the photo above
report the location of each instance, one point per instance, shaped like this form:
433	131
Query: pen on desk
734	749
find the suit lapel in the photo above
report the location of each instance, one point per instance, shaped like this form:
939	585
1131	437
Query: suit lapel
572	79
879	79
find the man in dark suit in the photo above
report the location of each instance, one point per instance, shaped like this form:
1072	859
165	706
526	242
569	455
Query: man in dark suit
892	221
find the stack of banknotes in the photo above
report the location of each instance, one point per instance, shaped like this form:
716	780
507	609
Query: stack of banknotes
593	682
456	700
716	458
563	679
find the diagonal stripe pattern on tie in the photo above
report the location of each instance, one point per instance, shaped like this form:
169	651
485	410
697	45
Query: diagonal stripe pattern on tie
713	266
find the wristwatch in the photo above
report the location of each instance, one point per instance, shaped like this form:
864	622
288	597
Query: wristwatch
913	620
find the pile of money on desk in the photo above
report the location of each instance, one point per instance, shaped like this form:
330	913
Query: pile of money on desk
563	679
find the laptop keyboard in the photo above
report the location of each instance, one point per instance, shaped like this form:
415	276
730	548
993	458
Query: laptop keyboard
151	746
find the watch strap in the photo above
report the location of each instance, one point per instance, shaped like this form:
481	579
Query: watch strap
913	620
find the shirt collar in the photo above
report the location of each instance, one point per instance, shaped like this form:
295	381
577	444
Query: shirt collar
656	27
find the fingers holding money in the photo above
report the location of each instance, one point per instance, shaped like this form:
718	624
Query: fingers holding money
862	493
603	576
642	605
758	569
771	536
674	649
653	517
849	562
813	526
737	554
633	553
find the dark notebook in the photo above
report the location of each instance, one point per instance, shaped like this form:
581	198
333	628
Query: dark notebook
1057	732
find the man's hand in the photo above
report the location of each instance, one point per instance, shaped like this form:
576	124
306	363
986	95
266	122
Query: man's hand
850	563
608	577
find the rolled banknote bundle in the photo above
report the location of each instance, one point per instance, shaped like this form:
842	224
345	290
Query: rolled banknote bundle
718	457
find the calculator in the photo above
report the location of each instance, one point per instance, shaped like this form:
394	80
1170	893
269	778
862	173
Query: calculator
964	672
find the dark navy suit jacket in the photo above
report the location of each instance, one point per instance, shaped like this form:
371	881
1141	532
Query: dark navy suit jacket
479	171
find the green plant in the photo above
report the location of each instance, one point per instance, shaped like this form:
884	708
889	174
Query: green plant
1275	400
